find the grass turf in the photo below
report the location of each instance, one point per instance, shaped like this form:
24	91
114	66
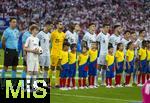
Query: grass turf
99	95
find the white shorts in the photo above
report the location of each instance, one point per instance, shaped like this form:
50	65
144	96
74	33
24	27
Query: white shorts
101	60
32	65
44	61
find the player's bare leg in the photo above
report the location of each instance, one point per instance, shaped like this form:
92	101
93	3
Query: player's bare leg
103	73
5	68
28	81
13	75
96	77
34	78
57	76
45	74
41	69
51	72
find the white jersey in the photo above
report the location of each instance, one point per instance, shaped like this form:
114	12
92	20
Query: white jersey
114	40
103	39
72	37
125	43
44	39
139	42
89	38
32	43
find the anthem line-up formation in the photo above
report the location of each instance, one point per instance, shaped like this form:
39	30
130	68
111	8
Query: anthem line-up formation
69	58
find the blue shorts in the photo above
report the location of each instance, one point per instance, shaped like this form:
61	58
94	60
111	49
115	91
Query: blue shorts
64	71
72	70
120	68
92	68
131	69
148	66
110	73
82	71
144	68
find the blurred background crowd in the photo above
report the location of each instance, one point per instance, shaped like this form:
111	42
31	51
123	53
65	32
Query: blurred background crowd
132	14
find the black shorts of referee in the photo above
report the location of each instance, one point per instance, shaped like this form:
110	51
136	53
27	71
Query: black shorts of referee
10	57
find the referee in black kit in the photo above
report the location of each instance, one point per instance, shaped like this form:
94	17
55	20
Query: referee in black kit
10	46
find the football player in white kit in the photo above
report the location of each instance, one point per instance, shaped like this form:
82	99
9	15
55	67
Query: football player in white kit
72	33
88	39
138	45
141	37
103	40
89	36
116	38
133	39
31	47
44	59
125	40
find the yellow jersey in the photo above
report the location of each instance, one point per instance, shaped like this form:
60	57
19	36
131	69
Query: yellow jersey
148	55
109	59
142	53
64	57
83	58
72	58
130	55
57	39
93	55
119	56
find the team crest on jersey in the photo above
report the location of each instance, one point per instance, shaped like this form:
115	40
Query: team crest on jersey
57	41
103	41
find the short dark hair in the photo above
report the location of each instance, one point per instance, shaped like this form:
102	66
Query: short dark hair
144	42
141	31
11	19
133	32
48	23
32	27
128	45
73	45
106	24
66	44
91	24
116	26
31	23
110	46
118	45
127	31
85	47
57	22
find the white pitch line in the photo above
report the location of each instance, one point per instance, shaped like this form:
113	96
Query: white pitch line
19	66
9	70
93	97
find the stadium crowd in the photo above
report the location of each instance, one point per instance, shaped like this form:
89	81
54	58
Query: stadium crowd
131	14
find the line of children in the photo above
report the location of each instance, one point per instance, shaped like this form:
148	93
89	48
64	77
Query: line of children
83	67
110	63
143	62
64	65
72	66
115	63
119	58
92	72
129	63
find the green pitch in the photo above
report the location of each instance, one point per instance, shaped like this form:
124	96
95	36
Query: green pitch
99	95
